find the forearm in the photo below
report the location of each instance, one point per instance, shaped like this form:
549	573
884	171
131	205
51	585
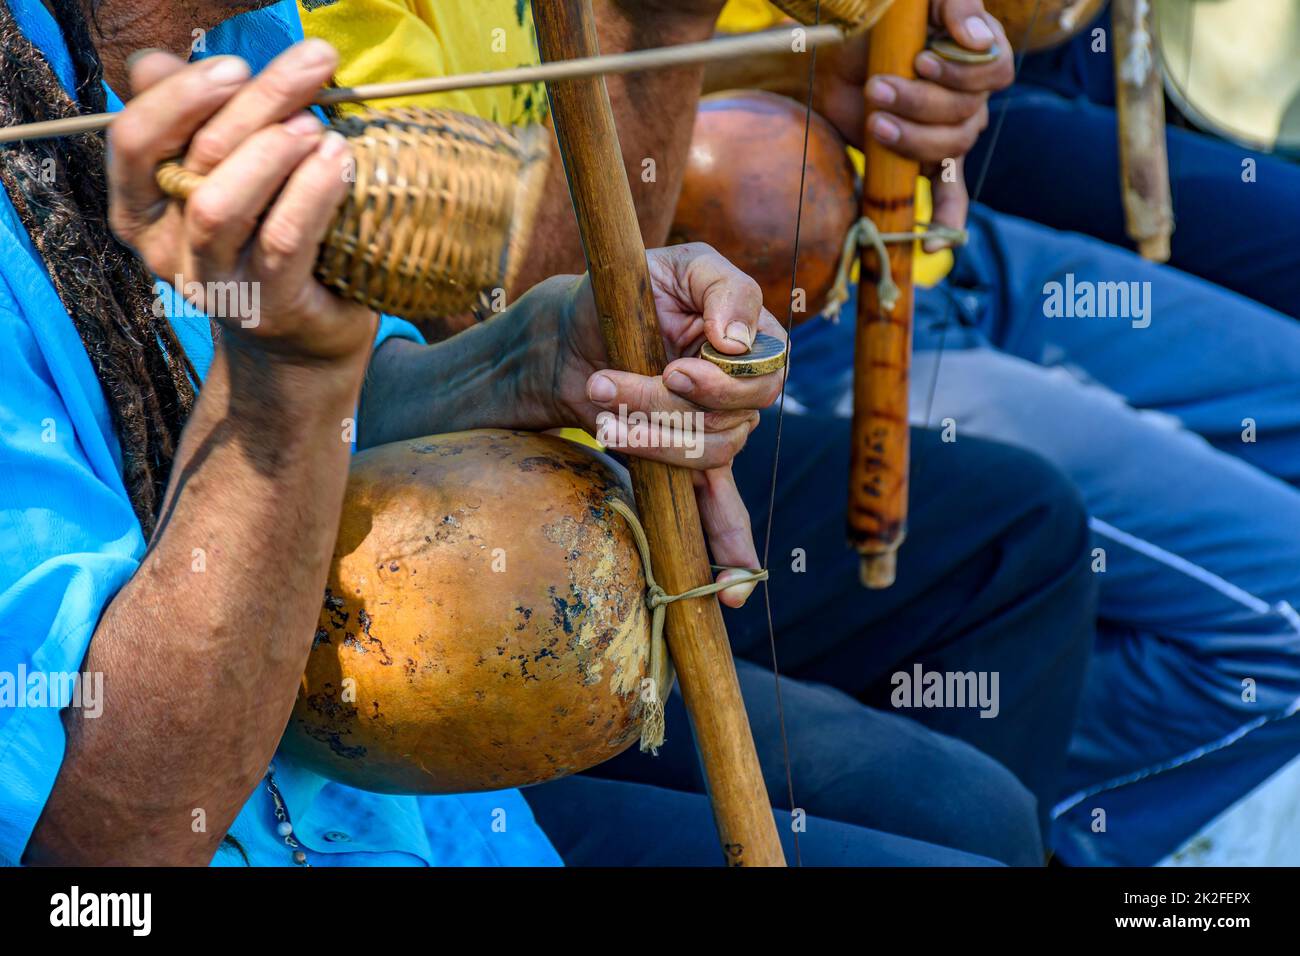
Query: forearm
786	74
203	649
499	374
655	114
783	73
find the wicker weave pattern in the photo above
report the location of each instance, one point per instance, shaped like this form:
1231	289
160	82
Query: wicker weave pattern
438	214
847	14
441	208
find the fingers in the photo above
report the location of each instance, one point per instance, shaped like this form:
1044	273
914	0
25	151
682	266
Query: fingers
951	205
709	387
223	213
612	390
147	68
639	415
293	230
942	114
287	85
972	77
726	525
693	279
922	101
156	125
924	142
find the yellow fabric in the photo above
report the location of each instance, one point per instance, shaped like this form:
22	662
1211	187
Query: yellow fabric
581	437
385	40
928	268
748	16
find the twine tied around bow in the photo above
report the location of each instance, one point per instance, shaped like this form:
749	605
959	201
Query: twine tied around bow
864	233
657	599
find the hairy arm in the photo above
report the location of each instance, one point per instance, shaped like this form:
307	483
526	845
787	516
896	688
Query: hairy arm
200	666
655	112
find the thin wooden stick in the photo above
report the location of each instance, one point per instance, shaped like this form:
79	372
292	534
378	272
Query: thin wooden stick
1140	110
620	279
685	54
877	513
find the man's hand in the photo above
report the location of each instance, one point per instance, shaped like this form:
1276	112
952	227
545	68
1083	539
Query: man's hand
932	119
694	414
274	179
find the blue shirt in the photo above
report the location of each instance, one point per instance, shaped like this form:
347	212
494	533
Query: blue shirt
69	540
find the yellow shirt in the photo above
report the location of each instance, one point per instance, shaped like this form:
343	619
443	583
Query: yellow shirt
385	40
747	16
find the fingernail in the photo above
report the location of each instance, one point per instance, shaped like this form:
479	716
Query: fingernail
739	332
225	70
332	144
885	129
978	30
679	382
881	92
601	389
929	66
303	124
934	245
139	55
740	592
313	51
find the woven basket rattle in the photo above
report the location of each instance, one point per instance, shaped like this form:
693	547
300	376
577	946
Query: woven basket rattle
439	213
851	15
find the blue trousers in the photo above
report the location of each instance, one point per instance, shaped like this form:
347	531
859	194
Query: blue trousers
600	822
1183	436
1057	126
993	577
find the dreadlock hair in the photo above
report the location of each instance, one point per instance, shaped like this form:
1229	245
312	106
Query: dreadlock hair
58	187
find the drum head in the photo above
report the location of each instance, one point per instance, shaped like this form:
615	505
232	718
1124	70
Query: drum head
1233	67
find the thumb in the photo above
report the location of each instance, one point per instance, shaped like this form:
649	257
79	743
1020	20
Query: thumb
730	302
967	21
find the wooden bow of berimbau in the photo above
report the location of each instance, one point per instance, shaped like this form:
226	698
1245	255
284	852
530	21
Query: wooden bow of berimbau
878	461
878	468
665	496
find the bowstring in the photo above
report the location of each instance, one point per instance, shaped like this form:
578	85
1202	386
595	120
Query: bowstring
776	451
998	123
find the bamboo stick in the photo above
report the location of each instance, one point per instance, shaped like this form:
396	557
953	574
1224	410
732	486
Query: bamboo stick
685	54
877	512
697	637
1140	108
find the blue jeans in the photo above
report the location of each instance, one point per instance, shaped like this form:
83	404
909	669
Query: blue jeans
1055	159
597	822
1197	667
994	577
